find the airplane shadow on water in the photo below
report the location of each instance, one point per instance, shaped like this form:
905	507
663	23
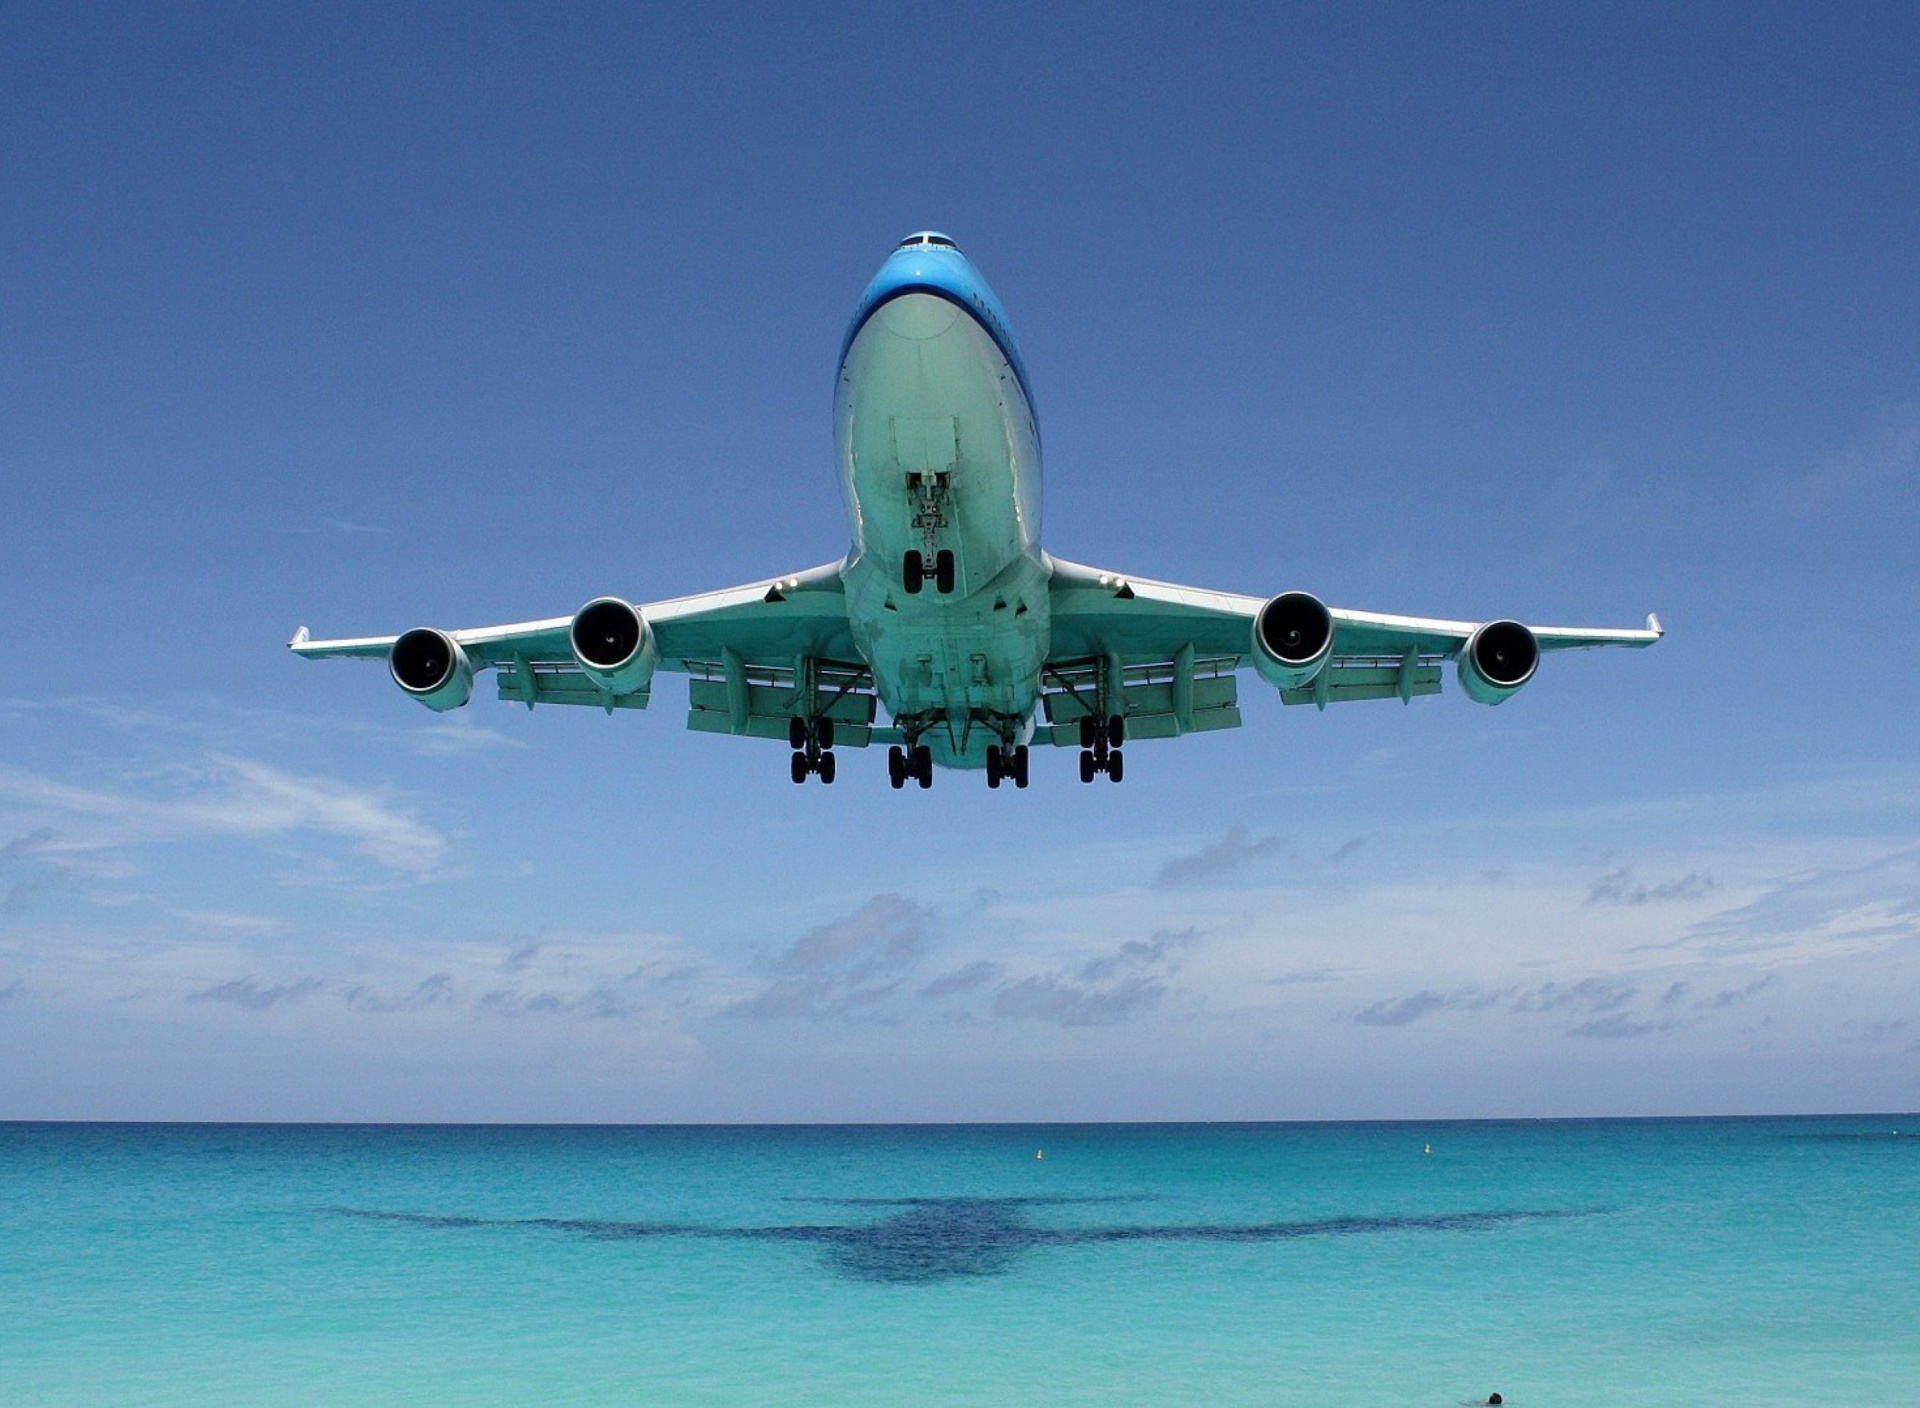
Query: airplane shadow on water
926	1240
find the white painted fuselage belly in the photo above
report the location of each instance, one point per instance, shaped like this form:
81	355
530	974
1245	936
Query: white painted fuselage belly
925	391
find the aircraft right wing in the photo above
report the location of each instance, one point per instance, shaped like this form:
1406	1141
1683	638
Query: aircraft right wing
752	651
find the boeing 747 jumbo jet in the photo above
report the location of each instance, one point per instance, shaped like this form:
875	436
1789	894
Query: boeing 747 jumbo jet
946	610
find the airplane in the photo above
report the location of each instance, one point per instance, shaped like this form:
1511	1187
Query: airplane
979	644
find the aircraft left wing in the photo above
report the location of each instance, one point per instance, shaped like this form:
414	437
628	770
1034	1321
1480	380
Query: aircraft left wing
1166	655
752	650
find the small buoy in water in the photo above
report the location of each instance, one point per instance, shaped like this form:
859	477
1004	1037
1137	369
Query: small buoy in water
1495	1400
1429	1148
1039	1153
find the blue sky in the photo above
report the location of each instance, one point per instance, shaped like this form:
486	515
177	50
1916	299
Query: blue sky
363	317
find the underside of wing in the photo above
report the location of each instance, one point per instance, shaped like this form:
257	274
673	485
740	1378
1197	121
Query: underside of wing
1166	656
754	651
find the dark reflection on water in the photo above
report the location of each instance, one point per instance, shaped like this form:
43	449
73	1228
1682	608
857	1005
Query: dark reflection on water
938	1239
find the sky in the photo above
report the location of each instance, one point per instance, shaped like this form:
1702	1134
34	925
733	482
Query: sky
369	316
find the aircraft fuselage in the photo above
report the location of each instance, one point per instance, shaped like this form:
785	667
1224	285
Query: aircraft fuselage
938	452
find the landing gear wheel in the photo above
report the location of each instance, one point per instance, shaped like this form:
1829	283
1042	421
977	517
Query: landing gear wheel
923	765
1116	765
823	732
800	768
825	768
1086	765
1020	756
994	766
914	574
943	573
1087	731
1116	731
797	733
896	767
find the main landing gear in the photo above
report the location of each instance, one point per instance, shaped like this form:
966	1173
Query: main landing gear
1007	763
915	762
1100	741
812	742
914	574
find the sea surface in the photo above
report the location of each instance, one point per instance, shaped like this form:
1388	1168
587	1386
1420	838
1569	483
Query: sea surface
1615	1262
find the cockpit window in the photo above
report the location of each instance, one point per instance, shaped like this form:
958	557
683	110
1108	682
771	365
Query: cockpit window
928	238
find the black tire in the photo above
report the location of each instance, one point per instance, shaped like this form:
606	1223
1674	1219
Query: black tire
797	733
1086	765
1116	765
1020	756
1116	731
896	767
943	571
994	766
825	768
1087	733
800	768
923	765
823	732
913	574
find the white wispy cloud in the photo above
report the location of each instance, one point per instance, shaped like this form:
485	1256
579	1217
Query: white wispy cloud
229	797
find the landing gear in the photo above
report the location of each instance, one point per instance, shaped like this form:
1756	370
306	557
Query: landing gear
914	763
1100	741
1005	763
914	572
930	493
812	742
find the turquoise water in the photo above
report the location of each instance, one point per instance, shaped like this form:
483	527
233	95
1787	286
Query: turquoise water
1580	1262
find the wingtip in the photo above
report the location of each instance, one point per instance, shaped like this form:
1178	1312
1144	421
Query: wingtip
1653	624
300	638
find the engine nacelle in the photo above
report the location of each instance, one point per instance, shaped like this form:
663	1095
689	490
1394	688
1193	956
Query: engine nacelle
1292	639
431	666
1498	658
614	645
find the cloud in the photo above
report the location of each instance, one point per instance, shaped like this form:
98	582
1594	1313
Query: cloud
1873	463
847	963
1232	853
1097	993
1137	953
25	845
433	991
1619	1025
1828	911
9	991
1619	887
1589	995
1401	1012
974	975
1048	998
1344	850
245	992
228	796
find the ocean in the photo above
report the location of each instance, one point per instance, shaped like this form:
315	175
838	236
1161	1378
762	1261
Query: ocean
1615	1262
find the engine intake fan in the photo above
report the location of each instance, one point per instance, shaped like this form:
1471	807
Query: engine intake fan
1292	639
431	666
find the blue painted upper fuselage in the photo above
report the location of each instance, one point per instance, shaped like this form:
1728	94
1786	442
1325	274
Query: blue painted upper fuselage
939	459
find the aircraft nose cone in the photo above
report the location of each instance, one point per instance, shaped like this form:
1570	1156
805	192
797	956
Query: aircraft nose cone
918	316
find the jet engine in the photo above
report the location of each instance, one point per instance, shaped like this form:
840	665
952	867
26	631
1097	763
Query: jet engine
1292	638
431	666
614	645
1498	658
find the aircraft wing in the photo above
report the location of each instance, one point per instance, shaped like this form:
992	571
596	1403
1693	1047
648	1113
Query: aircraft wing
749	649
1172	652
